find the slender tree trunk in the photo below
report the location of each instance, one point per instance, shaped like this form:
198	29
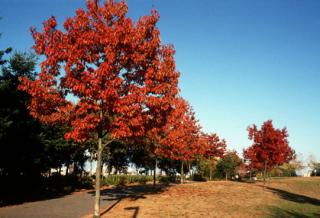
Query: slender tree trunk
182	173
226	176
264	173
210	168
98	178
67	169
81	173
155	171
101	171
75	169
91	158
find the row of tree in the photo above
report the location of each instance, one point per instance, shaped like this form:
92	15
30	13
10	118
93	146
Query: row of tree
118	83
108	87
40	147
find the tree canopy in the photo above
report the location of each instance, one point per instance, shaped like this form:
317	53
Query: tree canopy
105	76
270	147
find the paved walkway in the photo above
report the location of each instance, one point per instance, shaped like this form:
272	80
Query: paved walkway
75	205
78	204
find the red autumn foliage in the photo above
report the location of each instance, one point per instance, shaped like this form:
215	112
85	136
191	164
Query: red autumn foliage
181	134
213	146
104	76
103	73
270	147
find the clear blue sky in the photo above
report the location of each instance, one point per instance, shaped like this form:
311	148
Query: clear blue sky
241	61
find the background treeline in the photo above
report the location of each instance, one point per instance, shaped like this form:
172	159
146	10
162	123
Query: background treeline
33	154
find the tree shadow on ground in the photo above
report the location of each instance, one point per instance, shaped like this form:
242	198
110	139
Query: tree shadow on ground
19	190
132	192
249	181
283	213
294	197
135	209
28	195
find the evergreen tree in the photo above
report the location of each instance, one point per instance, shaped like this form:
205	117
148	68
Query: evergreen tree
19	141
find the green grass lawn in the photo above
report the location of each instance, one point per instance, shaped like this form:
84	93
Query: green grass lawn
297	197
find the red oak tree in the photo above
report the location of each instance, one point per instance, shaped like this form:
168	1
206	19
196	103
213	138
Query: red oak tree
270	147
156	133
105	76
214	148
181	135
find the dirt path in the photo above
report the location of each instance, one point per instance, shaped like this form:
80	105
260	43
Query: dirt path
74	205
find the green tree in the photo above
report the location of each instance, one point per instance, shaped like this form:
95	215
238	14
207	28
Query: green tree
142	158
19	142
229	164
59	152
116	157
206	167
29	148
291	168
314	165
2	54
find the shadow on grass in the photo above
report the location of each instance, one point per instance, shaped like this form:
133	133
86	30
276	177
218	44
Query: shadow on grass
250	181
294	197
283	213
133	192
135	209
111	206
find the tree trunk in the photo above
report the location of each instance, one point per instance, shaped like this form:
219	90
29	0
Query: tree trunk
155	171
67	169
81	172
226	176
98	178
91	160
210	168
182	173
264	173
101	171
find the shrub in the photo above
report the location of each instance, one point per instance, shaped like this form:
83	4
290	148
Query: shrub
86	182
126	179
143	179
198	177
123	180
167	179
65	184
